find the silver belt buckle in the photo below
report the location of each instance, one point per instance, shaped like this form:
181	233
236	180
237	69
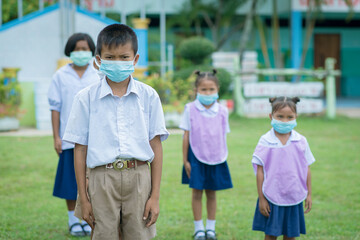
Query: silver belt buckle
120	164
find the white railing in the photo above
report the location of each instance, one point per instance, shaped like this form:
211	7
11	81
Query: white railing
329	73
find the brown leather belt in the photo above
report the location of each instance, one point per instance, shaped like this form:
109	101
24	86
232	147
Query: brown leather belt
125	163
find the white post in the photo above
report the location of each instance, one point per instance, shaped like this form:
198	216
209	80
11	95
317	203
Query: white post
238	97
162	39
170	54
82	4
102	8
123	12
20	9
41	5
330	89
143	10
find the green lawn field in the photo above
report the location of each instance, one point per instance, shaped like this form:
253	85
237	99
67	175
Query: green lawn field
28	165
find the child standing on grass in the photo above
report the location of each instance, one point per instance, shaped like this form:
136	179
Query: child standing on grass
281	163
66	83
117	126
205	125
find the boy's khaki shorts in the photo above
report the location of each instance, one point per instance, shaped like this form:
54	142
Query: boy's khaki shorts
118	201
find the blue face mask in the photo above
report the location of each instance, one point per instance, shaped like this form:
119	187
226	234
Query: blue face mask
207	99
117	71
283	127
80	58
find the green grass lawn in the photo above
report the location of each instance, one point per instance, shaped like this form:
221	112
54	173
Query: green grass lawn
28	165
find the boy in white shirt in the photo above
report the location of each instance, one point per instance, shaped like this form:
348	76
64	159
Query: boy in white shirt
117	126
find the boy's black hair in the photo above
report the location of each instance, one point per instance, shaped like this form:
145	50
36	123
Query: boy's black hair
115	35
73	39
278	103
206	75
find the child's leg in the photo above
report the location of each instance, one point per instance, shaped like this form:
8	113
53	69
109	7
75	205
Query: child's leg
211	212
77	229
211	204
268	237
196	204
288	238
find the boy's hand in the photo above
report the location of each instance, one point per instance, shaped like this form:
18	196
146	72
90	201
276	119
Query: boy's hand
187	168
57	145
308	204
151	212
87	213
264	207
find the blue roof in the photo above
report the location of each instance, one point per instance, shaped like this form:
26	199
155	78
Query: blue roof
49	9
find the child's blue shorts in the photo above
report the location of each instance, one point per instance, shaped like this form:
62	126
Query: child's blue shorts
283	220
65	181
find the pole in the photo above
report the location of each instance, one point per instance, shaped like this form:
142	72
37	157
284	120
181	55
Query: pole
162	39
330	89
123	12
142	10
238	98
20	9
170	54
41	5
102	8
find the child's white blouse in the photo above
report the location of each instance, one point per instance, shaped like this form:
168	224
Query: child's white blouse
114	127
270	140
65	84
211	112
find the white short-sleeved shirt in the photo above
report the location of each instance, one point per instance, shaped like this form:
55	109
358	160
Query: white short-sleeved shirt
116	127
270	140
211	112
65	84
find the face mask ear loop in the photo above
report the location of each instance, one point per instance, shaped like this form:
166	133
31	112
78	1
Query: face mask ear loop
97	64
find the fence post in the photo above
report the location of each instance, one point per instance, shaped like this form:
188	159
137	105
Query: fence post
330	89
238	97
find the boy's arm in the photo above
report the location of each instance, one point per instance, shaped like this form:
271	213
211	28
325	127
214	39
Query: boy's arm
185	149
55	122
263	203
152	205
308	201
80	173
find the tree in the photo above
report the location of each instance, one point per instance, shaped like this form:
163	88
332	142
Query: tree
220	16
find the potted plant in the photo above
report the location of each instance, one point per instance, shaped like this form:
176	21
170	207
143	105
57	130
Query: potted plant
10	99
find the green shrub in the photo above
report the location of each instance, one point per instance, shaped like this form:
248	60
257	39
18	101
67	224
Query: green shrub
10	95
224	77
196	49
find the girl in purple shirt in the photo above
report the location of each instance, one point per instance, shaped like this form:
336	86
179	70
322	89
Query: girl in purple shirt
205	125
281	163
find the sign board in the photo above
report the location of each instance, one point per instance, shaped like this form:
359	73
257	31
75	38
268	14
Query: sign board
327	5
273	89
261	106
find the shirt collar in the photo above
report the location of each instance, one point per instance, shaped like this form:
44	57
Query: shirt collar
214	108
271	137
105	89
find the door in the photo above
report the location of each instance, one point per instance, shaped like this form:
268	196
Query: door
327	45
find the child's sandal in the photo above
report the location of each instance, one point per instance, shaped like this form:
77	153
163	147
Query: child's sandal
211	236
202	237
76	233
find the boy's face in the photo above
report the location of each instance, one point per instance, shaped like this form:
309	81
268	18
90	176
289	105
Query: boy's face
119	53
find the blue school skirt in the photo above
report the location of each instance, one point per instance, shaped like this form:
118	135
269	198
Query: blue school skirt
283	220
65	181
204	176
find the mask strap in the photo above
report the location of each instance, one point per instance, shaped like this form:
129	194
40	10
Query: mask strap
97	64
